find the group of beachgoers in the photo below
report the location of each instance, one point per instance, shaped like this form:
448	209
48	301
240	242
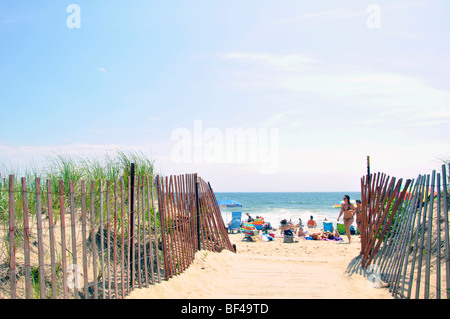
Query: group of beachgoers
288	228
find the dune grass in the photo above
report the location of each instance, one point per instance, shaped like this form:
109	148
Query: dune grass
113	167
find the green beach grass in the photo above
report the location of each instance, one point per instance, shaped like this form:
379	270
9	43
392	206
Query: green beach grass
112	167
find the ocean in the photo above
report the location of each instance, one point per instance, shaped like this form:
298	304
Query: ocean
275	207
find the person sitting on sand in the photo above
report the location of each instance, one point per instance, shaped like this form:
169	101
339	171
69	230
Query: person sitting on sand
286	228
312	223
300	223
326	235
250	218
301	232
317	236
349	211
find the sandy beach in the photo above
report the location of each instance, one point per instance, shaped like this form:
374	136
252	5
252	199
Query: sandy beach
272	270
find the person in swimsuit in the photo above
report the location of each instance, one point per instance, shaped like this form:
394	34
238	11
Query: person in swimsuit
287	228
349	211
312	223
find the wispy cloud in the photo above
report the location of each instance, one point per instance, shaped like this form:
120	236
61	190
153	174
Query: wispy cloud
409	35
324	15
103	70
286	62
404	96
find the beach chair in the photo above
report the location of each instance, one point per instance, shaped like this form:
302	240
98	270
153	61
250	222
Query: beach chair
259	224
341	229
328	226
248	230
235	222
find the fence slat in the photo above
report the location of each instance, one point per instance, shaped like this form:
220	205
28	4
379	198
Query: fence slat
144	233
40	239
150	234
74	239
122	211
155	220
12	245
26	242
102	244
83	235
446	228
430	233
163	228
108	237
438	238
94	241
63	237
115	242
51	228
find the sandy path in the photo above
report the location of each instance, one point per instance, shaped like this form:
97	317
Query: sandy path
271	270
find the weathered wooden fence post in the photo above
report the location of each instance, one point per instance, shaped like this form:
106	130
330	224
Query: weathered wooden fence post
132	239
197	205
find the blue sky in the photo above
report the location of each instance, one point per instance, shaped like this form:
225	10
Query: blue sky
334	88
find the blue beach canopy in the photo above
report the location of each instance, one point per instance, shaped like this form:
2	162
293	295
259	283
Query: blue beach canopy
228	203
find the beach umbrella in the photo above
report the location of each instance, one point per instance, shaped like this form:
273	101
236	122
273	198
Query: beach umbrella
228	203
338	205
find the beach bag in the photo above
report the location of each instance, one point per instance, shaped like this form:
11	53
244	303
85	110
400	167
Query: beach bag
288	239
256	238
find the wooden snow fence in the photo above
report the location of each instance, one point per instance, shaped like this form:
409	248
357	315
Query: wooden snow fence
102	239
405	234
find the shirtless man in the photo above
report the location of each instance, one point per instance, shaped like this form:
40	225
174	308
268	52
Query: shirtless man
349	211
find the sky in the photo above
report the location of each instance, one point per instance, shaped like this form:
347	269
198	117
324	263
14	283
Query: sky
254	95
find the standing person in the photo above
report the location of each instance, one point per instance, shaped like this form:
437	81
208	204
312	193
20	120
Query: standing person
250	218
312	223
349	211
358	215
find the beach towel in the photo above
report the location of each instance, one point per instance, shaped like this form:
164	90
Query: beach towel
259	223
334	239
248	228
